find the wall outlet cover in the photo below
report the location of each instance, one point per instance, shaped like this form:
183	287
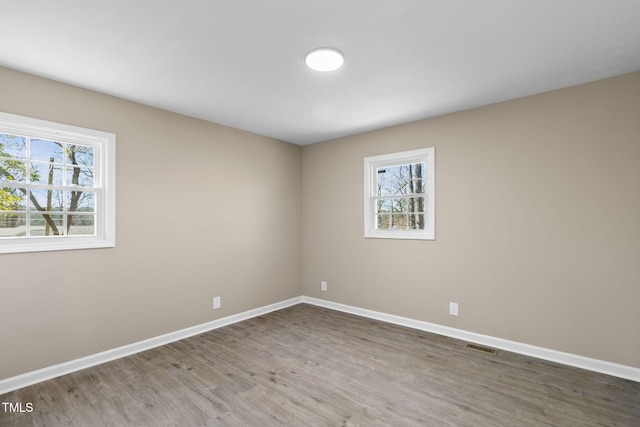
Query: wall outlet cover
453	308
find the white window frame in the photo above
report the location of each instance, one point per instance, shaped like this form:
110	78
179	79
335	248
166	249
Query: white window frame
104	144
371	165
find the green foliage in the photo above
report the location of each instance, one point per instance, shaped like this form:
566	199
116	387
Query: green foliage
10	199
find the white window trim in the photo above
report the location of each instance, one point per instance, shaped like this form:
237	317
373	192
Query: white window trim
426	155
105	164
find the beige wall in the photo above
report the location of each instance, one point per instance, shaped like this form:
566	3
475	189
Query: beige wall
537	222
202	211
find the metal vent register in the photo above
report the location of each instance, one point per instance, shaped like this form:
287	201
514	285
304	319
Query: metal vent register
487	350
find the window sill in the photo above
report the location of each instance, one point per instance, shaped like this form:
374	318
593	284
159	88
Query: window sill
399	235
46	245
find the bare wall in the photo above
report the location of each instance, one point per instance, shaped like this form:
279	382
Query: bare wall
537	222
202	210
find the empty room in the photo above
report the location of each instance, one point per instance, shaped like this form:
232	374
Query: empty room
336	213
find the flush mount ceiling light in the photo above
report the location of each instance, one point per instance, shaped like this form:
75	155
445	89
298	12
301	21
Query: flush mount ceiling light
324	59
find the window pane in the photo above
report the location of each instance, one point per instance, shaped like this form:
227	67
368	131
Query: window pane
81	155
395	173
46	225
416	221
46	150
416	170
47	200
13	146
393	188
399	221
384	205
398	188
12	199
384	189
417	186
43	173
399	205
385	182
416	204
383	174
81	201
13	170
383	222
82	177
81	225
13	224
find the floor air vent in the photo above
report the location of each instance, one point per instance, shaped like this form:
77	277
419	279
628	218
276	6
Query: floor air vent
482	349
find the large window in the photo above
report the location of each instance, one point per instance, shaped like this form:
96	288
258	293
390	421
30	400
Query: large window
399	195
57	186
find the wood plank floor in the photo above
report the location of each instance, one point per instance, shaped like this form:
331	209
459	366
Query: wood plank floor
308	366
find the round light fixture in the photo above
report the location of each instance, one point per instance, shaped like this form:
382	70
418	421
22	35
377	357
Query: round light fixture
324	59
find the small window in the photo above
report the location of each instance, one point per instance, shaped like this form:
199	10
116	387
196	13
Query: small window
399	195
57	186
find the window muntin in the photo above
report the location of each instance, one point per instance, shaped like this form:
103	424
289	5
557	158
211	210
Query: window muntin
399	195
57	186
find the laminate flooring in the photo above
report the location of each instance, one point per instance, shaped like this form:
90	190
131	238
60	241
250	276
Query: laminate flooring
309	366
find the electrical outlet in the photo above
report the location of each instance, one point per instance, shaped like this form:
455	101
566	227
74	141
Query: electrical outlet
323	286
216	303
453	308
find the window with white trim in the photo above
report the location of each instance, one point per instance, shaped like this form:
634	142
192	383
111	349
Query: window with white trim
399	195
57	186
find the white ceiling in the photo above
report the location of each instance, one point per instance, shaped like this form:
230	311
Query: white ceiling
240	62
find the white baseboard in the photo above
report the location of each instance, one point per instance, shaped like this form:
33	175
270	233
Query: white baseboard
601	366
48	373
33	377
